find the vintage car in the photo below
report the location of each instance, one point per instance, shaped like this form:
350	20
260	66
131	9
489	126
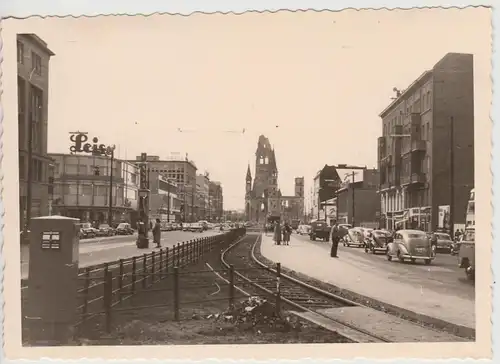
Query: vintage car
354	237
124	228
303	230
196	227
467	253
443	241
376	242
410	244
105	230
87	231
319	230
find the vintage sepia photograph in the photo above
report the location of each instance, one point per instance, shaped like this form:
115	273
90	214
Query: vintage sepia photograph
265	178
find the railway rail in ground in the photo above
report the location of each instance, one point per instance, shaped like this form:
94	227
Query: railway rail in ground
293	293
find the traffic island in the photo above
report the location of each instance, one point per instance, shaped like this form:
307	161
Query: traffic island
201	314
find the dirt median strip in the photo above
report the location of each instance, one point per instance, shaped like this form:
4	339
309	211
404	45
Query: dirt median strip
204	317
421	319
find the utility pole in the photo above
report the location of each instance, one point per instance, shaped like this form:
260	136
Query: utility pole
168	200
353	204
192	202
452	176
110	207
29	189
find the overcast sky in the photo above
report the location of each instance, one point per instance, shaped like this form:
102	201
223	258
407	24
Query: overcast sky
314	83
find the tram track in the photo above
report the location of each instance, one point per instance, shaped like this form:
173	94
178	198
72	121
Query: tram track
300	296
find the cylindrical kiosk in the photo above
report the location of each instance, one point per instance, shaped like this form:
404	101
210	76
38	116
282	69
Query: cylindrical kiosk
53	280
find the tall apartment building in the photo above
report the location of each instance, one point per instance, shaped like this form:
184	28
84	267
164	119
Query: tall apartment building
428	123
33	57
216	200
182	171
202	194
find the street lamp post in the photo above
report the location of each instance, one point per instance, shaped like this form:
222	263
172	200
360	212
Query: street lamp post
111	152
168	200
452	177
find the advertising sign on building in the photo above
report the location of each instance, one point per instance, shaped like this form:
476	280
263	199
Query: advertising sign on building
444	217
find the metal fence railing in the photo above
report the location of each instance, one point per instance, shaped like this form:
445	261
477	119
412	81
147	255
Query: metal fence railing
102	287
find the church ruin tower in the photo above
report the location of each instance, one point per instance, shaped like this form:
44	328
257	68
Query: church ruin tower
265	183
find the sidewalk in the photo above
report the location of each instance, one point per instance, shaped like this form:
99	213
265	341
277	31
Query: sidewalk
312	261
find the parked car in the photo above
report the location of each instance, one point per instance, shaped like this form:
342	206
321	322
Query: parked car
124	228
106	230
197	227
87	231
304	230
346	226
186	226
410	244
354	237
376	242
467	253
319	230
204	224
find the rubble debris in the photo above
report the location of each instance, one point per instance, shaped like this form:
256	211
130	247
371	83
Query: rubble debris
258	314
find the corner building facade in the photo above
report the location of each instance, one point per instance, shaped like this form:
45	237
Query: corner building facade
33	58
419	129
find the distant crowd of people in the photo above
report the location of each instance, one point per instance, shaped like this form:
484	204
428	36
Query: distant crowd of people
282	234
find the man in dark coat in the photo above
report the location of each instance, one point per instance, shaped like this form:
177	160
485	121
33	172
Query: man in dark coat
157	233
335	237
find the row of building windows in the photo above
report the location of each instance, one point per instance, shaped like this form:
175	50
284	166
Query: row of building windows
35	115
421	105
86	170
95	190
36	60
37	169
403	201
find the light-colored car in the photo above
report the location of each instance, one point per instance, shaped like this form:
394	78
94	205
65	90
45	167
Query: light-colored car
186	226
346	226
196	227
303	230
354	237
410	244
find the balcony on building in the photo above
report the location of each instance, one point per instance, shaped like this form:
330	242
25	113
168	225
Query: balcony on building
418	145
413	178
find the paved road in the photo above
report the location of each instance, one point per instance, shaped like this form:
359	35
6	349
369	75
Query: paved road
97	251
443	275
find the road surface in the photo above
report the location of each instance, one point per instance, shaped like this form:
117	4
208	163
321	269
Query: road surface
442	275
102	250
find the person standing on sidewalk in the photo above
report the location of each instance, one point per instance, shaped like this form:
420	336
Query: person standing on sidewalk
335	238
287	231
277	233
157	233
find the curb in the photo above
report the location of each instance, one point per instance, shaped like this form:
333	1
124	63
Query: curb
455	329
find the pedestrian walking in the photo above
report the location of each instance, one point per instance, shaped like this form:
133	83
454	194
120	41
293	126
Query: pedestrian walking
157	233
335	238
